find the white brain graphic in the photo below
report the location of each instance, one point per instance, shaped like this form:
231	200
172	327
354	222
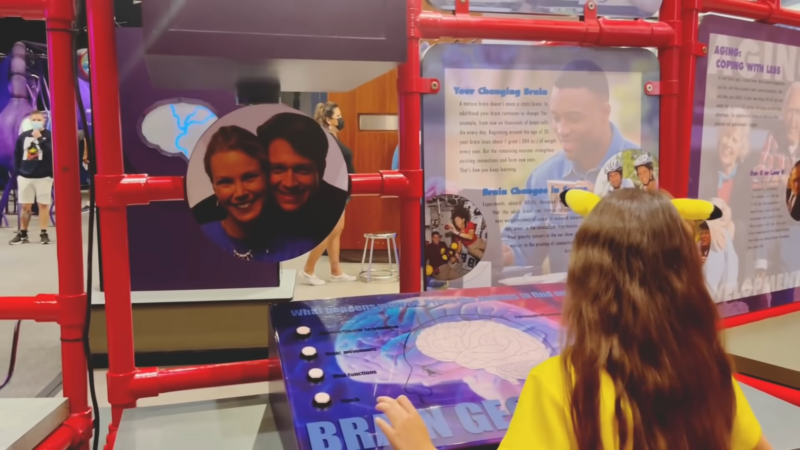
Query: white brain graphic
501	350
175	128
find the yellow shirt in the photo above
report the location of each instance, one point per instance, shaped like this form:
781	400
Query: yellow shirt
542	417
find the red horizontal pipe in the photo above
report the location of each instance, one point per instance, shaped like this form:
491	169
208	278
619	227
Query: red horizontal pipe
366	184
387	183
603	32
27	9
152	382
776	390
42	308
75	430
762	11
769	313
127	190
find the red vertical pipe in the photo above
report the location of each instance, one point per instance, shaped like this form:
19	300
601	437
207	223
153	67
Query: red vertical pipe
60	15
688	60
113	219
669	59
410	124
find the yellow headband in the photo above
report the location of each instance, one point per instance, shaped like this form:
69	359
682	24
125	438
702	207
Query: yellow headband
583	202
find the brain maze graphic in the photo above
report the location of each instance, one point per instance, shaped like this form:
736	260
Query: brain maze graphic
461	356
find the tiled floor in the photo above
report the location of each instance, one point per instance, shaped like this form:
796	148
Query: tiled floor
32	269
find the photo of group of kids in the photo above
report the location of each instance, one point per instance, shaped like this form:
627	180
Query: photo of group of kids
455	238
629	169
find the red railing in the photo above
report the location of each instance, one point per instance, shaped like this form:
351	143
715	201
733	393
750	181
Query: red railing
675	35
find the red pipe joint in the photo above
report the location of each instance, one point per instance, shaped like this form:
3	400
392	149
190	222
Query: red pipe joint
27	9
72	310
41	308
126	389
76	429
126	190
50	10
388	183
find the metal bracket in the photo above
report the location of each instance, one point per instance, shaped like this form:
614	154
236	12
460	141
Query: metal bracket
660	88
700	49
420	86
590	11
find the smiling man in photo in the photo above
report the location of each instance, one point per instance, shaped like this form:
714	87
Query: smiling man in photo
580	117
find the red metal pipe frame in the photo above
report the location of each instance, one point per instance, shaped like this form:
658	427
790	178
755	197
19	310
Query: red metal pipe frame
126	384
410	105
764	11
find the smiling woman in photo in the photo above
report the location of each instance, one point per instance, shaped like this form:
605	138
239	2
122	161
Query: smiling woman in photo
235	164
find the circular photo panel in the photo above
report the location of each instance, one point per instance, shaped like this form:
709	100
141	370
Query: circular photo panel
793	191
267	183
455	238
633	169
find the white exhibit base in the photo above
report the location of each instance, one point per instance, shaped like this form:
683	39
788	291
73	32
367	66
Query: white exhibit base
285	291
27	421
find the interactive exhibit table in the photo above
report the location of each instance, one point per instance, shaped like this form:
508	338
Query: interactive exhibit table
461	356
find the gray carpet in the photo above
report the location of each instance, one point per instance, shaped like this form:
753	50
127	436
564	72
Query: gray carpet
27	270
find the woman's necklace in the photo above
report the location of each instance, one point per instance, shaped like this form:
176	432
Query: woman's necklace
247	256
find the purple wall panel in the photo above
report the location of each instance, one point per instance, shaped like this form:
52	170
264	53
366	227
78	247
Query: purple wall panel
168	251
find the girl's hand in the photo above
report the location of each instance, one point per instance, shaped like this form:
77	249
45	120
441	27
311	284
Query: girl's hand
407	430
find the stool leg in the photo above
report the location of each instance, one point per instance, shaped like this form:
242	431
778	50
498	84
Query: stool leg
389	253
371	250
396	258
364	255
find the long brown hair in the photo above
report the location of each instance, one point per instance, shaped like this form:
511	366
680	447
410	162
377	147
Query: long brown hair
637	308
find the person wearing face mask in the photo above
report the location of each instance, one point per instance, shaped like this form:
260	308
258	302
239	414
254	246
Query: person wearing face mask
33	165
330	117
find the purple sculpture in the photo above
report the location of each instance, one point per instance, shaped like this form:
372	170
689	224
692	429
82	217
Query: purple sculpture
19	106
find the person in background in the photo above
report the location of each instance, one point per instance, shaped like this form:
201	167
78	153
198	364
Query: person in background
33	164
465	233
436	256
330	117
628	376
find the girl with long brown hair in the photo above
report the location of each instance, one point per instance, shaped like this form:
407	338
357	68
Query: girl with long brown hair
642	366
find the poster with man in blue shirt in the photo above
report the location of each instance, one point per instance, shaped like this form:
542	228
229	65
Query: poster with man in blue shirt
580	118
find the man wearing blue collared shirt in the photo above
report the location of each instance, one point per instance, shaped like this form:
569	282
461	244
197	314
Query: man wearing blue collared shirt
580	117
